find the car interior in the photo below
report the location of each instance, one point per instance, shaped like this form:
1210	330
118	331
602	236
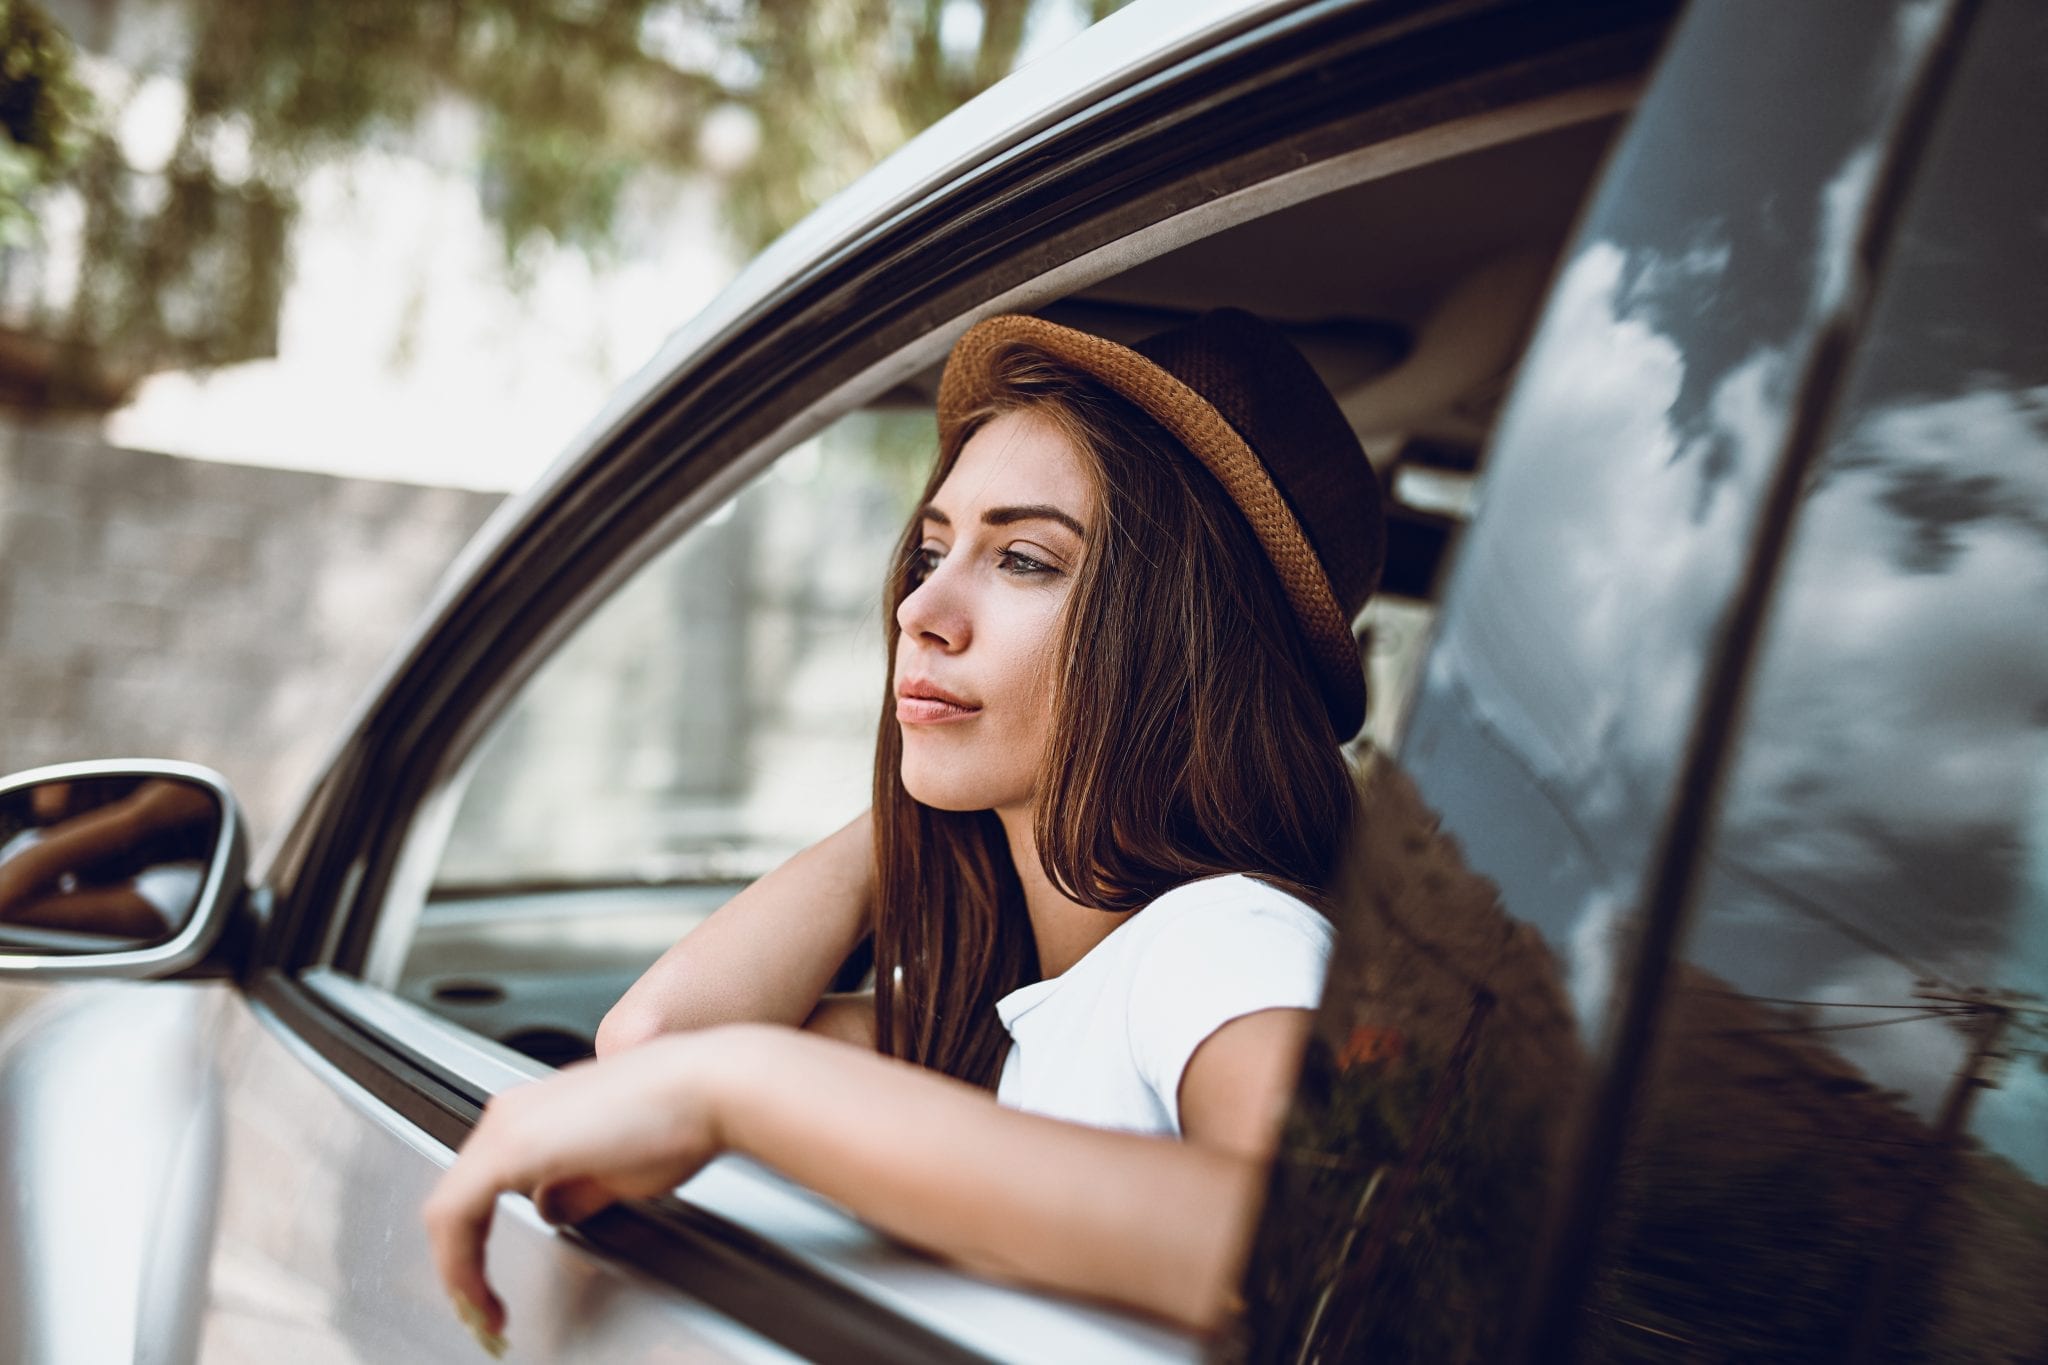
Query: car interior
1413	292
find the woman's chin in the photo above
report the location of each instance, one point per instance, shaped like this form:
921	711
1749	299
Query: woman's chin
951	786
958	796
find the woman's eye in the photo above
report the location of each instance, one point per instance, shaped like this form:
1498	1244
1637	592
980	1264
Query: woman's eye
1016	562
921	563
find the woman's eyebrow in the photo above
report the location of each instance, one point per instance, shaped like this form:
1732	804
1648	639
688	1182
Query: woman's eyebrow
1036	511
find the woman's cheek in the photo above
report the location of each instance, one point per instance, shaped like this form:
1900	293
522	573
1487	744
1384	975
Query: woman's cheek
994	762
1031	705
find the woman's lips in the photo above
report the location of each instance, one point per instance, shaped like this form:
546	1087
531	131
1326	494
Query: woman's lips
924	704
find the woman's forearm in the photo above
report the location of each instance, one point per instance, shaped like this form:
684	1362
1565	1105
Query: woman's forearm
765	956
115	910
1148	1222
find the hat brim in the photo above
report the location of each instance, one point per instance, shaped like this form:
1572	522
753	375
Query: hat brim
967	386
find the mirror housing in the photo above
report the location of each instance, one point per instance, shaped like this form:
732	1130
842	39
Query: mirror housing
164	853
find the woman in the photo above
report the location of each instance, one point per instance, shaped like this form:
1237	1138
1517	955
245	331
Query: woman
1108	790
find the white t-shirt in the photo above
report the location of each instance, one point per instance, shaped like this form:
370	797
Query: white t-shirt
1105	1042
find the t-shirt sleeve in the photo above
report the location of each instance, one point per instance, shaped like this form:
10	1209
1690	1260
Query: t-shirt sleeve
172	889
1214	962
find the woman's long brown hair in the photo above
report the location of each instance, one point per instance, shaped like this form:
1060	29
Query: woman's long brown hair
1188	737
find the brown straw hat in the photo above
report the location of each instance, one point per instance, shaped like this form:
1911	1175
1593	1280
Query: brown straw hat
1237	394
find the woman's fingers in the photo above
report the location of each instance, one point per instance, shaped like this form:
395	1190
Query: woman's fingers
503	1155
571	1201
578	1142
458	1217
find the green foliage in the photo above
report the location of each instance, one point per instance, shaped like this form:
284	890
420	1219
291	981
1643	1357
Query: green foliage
576	98
43	110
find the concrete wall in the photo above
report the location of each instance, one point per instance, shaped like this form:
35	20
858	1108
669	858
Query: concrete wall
163	607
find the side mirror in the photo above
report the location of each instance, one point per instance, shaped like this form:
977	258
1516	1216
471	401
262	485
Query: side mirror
128	868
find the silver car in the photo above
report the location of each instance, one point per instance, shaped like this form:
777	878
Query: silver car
1688	1001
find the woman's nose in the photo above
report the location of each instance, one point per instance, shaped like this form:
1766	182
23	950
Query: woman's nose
934	614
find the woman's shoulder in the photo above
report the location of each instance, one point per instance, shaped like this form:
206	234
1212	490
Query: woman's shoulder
1237	898
1225	925
1216	950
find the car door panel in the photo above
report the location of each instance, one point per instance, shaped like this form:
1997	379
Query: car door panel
320	1242
110	1126
1842	1151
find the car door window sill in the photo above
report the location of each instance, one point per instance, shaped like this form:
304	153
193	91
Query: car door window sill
983	1316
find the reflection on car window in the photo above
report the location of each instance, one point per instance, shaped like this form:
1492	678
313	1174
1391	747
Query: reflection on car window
715	715
1846	1151
1493	909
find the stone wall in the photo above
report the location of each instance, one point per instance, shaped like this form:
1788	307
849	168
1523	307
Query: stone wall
162	607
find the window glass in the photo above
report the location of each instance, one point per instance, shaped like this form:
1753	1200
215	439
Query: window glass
716	714
1844	1154
1493	903
719	710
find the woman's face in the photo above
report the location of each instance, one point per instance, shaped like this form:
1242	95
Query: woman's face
1002	540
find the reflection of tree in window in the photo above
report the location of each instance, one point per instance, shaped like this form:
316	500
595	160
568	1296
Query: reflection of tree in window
1414	1169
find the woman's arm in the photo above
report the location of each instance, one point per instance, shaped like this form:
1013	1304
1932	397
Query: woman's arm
848	1016
765	956
1147	1222
76	844
117	911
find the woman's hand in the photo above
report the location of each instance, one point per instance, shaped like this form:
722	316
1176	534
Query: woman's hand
631	1127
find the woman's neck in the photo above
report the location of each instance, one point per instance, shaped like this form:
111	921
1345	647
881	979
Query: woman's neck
1064	929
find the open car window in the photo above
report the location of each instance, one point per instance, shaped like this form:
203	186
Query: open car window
716	712
713	716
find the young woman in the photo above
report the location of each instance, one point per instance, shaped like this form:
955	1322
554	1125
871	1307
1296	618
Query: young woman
1108	790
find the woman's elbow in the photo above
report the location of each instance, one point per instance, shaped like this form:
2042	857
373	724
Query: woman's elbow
627	1024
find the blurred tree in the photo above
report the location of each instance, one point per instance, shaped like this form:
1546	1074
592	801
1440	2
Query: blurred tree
41	107
784	101
43	110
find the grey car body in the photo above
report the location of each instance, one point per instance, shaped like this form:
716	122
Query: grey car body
1812	234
